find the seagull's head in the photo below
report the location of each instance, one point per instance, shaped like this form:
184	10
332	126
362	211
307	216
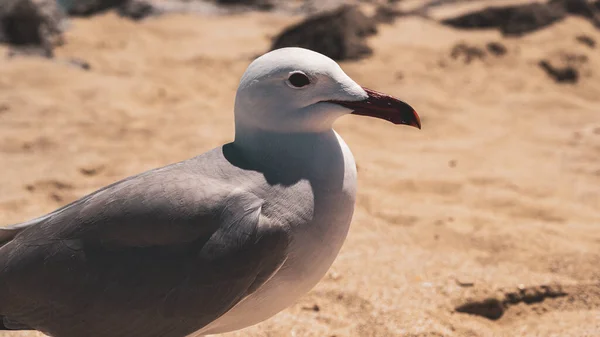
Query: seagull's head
298	90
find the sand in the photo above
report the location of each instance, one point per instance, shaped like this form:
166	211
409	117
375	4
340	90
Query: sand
495	201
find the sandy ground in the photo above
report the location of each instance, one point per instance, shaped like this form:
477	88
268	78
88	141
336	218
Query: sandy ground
497	196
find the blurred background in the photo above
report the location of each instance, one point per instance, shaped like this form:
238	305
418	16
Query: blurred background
484	223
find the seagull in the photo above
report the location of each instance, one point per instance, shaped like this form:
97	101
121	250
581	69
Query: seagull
211	244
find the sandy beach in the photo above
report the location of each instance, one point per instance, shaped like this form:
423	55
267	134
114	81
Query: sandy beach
483	223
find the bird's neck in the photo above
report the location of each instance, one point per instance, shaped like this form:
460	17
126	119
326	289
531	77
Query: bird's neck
289	149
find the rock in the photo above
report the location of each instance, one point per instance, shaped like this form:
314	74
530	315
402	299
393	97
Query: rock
511	20
496	48
137	9
90	7
339	34
519	20
258	4
467	53
490	308
583	8
588	41
386	14
566	67
33	25
314	307
565	74
133	9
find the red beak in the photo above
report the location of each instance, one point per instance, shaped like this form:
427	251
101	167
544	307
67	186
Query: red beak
383	106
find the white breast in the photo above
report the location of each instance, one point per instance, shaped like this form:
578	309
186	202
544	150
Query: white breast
314	248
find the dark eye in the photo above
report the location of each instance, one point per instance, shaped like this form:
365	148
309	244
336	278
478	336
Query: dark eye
298	80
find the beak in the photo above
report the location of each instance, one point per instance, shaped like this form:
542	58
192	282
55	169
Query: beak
383	106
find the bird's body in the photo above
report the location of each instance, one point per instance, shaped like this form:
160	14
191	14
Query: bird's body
295	269
211	244
318	228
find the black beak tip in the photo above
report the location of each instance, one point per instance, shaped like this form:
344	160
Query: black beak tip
416	122
411	119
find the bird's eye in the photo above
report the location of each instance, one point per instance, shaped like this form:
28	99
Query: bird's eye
298	80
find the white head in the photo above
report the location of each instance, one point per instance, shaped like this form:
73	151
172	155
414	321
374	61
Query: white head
297	90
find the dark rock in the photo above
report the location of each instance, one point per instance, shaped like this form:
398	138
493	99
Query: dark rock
467	53
258	4
522	19
511	20
490	308
339	34
137	9
496	48
588	41
566	74
34	26
314	307
386	14
133	9
583	8
91	7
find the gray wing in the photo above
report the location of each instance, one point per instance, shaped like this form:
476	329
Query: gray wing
161	254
